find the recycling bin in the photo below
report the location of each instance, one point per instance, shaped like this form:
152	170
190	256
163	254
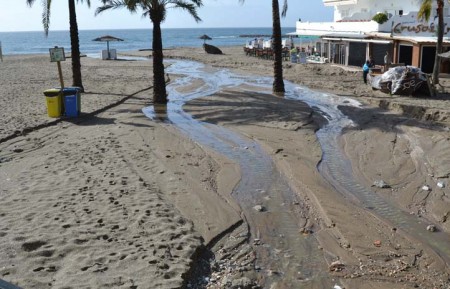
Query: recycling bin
294	57
53	102
72	101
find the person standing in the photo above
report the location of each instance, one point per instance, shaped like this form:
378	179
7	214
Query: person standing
366	70
387	61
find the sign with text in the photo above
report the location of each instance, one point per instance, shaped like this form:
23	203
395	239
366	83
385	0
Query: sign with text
57	54
422	29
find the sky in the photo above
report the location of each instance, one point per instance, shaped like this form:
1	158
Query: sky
16	15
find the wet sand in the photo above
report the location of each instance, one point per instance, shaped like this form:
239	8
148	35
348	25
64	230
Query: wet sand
116	200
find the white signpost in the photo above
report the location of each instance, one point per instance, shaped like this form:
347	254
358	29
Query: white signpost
57	55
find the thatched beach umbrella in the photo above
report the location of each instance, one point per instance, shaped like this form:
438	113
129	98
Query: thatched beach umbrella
205	37
107	39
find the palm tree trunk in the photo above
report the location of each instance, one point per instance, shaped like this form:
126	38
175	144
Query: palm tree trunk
75	46
437	59
159	83
278	83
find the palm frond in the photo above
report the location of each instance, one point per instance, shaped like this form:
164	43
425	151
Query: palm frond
46	15
88	2
191	8
158	10
425	10
30	2
133	5
110	4
199	3
285	8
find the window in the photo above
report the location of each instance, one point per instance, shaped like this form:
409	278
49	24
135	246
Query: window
400	12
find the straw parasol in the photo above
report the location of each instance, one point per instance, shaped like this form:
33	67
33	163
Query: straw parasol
205	37
107	39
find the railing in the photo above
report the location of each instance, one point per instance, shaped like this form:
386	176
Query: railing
339	2
265	53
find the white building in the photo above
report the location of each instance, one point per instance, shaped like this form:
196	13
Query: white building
353	36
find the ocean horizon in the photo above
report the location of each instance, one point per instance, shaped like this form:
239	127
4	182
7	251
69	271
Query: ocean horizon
35	42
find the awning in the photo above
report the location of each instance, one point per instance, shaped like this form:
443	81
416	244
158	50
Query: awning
354	38
358	40
412	39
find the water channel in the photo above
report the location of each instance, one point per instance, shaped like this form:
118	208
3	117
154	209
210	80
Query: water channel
284	250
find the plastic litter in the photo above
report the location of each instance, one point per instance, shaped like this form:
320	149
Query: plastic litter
337	287
401	80
431	228
441	185
381	184
426	188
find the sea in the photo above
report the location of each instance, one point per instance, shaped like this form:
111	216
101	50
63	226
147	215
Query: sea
134	39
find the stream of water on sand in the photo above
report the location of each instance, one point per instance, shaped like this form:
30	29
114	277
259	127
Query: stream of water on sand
284	250
294	258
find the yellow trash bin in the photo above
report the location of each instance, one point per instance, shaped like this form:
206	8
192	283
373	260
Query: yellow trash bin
54	102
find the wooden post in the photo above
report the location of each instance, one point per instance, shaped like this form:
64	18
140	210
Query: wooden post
431	87
57	55
1	53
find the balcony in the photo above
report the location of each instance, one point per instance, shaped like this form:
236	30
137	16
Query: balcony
339	2
322	28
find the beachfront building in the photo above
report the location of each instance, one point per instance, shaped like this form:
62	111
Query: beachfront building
353	36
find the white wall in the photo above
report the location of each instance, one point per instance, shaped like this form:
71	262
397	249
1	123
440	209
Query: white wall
321	28
366	9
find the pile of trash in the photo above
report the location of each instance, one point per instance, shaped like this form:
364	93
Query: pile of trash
401	80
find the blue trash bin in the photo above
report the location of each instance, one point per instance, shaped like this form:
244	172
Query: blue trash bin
72	103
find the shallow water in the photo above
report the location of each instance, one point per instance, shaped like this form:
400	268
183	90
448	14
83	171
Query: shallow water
284	249
337	169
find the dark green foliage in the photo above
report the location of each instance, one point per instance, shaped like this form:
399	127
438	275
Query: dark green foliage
380	18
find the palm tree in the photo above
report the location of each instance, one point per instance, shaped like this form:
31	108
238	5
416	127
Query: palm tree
278	82
156	10
74	40
424	14
75	44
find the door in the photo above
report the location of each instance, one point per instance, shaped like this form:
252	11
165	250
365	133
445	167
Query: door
405	54
379	51
428	54
357	53
338	53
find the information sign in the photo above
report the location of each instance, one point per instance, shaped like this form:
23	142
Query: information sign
57	54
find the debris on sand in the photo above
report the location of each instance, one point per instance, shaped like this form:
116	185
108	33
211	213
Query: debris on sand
336	266
381	184
426	188
431	228
259	208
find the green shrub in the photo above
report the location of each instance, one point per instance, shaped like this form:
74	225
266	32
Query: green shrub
380	18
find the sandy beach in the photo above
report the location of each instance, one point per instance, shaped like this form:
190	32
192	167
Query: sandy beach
114	199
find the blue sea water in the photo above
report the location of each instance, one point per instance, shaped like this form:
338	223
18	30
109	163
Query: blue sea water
134	39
